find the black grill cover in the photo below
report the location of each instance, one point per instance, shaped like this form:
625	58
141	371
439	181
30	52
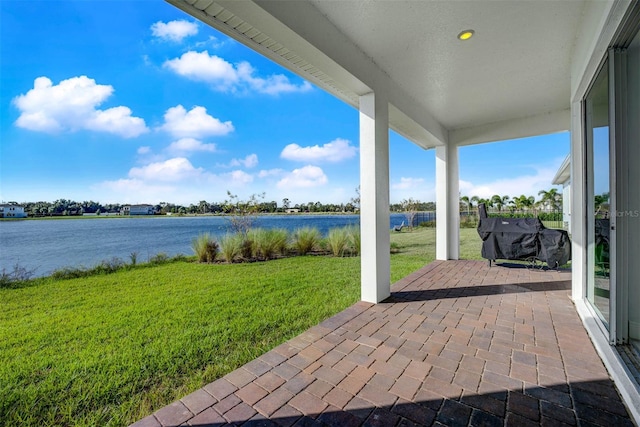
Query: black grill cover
522	239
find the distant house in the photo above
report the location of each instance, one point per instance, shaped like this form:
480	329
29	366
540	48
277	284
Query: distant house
138	210
12	211
292	210
563	177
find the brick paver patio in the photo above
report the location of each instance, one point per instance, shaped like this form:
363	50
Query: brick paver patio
456	344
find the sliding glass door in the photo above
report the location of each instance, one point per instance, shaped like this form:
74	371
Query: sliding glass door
599	252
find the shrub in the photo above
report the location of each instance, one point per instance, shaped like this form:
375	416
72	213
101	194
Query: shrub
179	257
69	273
468	222
205	248
243	213
338	241
112	265
550	216
17	275
106	266
231	247
109	266
160	258
306	239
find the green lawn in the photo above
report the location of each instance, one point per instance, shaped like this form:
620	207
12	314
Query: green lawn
110	349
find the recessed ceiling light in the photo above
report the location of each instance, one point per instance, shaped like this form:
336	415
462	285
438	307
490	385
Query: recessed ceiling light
466	34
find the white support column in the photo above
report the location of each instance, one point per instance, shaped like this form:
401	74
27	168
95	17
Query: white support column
447	203
374	198
578	205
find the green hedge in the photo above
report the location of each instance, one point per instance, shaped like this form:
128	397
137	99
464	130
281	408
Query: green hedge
543	216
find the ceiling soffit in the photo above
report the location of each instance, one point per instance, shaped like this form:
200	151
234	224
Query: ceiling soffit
517	64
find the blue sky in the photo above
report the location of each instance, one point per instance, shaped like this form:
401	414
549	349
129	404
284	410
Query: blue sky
119	102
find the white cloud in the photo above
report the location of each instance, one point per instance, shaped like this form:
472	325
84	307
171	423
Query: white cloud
407	183
237	178
272	85
412	188
529	185
305	177
202	67
194	124
174	31
335	151
134	191
188	145
213	42
71	106
175	180
225	77
248	162
266	173
144	150
176	169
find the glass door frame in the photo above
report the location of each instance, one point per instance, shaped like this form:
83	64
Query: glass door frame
615	65
618	182
591	123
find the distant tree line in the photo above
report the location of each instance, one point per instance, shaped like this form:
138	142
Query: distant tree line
64	207
550	200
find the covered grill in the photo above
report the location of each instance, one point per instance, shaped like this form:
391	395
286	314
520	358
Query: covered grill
524	239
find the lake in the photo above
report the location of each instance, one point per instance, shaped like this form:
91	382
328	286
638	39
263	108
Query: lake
47	245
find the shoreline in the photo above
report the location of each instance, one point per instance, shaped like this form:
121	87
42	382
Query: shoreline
215	215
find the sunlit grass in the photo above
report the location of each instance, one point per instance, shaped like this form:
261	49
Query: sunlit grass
111	349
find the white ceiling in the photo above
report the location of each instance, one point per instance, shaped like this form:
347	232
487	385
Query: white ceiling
516	69
517	64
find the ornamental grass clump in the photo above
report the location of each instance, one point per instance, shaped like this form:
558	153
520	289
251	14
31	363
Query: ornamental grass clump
205	248
306	239
231	247
268	242
338	241
247	247
281	238
354	239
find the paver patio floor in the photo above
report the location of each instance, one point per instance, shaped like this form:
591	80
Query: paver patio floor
456	344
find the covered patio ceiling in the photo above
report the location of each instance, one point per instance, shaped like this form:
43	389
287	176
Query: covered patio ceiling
511	79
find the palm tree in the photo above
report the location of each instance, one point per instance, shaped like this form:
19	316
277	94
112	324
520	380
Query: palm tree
550	199
497	202
505	200
523	202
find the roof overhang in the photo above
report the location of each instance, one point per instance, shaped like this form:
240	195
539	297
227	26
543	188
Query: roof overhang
564	172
